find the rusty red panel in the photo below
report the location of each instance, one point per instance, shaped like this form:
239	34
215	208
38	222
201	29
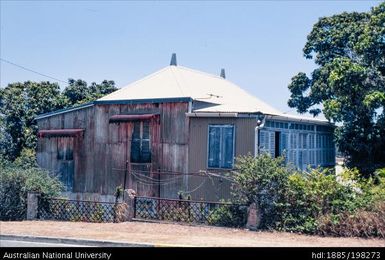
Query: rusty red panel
127	118
60	132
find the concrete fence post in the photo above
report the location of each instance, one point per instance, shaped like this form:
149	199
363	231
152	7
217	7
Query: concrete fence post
129	199
253	217
32	205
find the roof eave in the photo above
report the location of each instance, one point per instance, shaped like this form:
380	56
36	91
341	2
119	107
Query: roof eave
111	102
142	101
65	110
299	119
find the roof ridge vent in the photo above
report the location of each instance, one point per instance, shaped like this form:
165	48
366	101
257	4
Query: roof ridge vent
223	73
173	60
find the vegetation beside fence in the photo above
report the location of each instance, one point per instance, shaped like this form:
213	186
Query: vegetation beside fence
231	215
315	202
17	179
191	211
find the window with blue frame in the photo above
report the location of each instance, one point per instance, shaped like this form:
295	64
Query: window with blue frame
140	143
65	160
221	146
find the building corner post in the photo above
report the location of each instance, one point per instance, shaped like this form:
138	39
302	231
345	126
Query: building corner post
32	205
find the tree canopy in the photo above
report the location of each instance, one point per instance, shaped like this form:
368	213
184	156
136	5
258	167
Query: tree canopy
349	83
20	103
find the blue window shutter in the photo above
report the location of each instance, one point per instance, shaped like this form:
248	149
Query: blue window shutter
262	141
135	143
135	150
146	145
267	142
228	146
136	131
214	146
66	162
272	144
284	146
221	146
140	142
146	151
146	130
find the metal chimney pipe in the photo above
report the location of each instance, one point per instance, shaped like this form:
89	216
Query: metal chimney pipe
173	60
223	74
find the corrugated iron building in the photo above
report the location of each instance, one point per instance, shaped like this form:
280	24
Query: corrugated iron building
159	136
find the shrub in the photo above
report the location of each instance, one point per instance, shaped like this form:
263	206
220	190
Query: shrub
315	201
26	159
367	219
16	182
311	195
362	223
228	216
262	180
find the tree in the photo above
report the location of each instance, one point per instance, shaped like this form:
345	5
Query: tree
78	92
19	104
102	89
349	83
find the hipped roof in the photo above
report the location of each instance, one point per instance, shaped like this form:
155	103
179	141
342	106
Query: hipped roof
181	82
220	94
213	93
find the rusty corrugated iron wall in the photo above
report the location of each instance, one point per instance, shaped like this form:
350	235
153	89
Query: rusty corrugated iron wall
100	155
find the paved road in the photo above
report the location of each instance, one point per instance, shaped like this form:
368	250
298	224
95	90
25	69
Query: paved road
16	243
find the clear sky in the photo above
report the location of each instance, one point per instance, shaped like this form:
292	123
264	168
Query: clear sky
259	43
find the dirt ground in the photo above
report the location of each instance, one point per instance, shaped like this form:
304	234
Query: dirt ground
178	235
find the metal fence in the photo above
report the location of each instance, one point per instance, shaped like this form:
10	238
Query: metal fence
190	211
79	210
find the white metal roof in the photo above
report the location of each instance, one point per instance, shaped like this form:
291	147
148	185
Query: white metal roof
182	82
178	81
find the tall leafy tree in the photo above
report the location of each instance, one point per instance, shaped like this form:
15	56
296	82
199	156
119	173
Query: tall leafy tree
19	104
78	92
349	83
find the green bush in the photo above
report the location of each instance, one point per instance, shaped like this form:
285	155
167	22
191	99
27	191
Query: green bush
311	195
366	219
27	159
228	216
262	180
16	182
362	223
313	201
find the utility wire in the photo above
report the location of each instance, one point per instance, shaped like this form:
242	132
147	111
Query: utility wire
196	188
156	180
146	182
166	172
209	174
33	71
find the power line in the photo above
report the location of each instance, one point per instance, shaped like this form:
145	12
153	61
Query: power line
33	71
166	172
156	180
196	188
151	183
